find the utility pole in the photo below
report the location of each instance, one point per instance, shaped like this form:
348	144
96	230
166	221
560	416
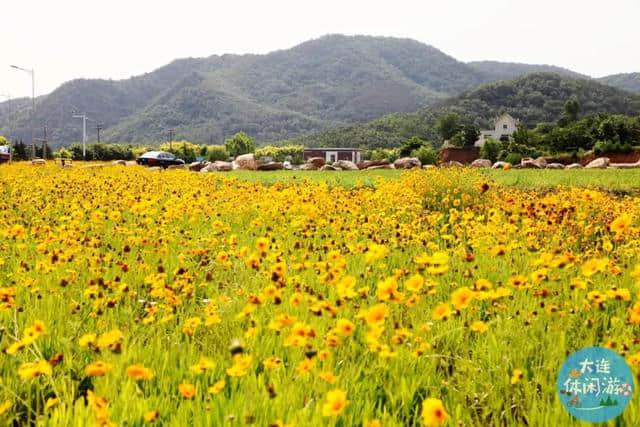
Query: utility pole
33	105
98	129
83	116
171	131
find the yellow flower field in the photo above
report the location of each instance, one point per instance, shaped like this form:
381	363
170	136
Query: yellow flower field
439	297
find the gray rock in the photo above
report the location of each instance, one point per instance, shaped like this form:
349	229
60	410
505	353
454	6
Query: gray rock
574	166
453	164
529	163
307	167
599	163
407	163
500	165
318	162
555	166
368	163
329	168
481	163
346	165
197	166
387	166
635	165
119	162
246	162
271	166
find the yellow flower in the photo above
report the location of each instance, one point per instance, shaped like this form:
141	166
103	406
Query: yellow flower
414	283
336	401
345	327
5	406
139	372
442	311
188	391
516	376
376	314
461	297
217	387
328	377
111	340
28	371
272	363
240	367
433	412
97	369
479	327
151	416
622	224
205	364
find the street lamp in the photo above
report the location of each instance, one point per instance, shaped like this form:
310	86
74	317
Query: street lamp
33	103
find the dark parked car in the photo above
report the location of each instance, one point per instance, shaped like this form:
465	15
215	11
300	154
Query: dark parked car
159	158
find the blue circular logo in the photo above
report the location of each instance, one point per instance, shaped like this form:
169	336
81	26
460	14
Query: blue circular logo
595	384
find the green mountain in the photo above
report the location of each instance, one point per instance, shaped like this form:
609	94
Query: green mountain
495	71
533	98
333	81
629	81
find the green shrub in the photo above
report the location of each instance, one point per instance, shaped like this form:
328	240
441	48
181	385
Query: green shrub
390	154
239	144
63	153
490	149
606	147
291	153
426	154
513	158
216	153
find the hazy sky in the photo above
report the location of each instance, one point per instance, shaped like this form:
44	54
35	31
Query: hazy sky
66	39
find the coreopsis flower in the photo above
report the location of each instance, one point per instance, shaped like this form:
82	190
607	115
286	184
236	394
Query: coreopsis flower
188	391
205	364
151	416
328	377
442	311
621	225
335	402
217	387
111	340
241	365
516	376
593	266
345	327
376	314
97	369
433	412
461	298
5	406
414	283
138	372
479	327
271	363
31	370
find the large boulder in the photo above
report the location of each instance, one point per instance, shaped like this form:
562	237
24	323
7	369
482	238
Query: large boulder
481	163
318	162
635	165
428	166
38	162
599	163
217	166
529	163
271	166
407	163
346	165
453	164
287	165
246	162
501	165
574	166
329	168
368	163
385	166
307	167
198	166
119	162
555	166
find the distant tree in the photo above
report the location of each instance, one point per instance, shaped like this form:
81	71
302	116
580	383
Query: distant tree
466	136
410	145
570	112
19	151
3	140
448	125
490	149
426	154
239	144
523	135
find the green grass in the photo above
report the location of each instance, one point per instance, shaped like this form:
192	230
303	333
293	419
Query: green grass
611	180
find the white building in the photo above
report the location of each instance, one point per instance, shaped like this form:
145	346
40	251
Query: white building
504	127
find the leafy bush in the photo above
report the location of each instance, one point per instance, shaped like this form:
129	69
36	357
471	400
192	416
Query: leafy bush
410	145
291	153
217	153
513	158
103	152
606	147
239	144
62	153
426	154
390	154
491	149
185	150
